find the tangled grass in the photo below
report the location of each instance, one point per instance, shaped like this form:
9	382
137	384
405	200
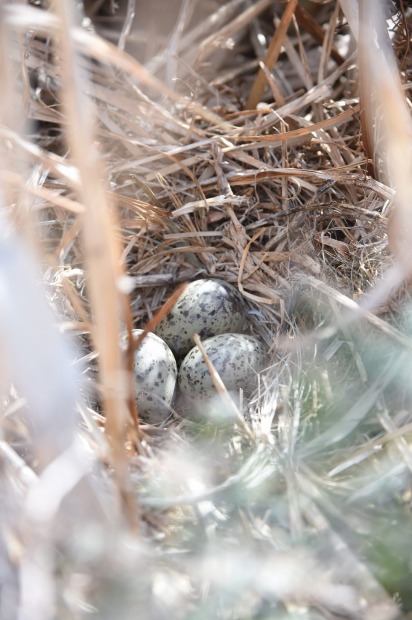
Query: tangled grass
143	146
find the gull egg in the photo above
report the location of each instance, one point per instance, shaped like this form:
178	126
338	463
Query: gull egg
236	357
155	374
206	307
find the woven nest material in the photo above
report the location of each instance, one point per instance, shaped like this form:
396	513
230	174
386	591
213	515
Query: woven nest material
252	143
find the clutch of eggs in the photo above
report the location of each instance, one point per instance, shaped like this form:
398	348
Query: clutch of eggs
214	310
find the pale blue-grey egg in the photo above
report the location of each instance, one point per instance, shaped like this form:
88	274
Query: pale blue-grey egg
206	307
155	373
237	358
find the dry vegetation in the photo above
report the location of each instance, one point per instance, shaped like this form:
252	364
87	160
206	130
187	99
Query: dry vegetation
266	143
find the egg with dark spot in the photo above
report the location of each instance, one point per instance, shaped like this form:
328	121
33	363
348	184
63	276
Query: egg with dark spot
155	373
236	357
206	307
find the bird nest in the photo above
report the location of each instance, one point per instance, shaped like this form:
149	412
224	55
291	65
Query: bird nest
242	145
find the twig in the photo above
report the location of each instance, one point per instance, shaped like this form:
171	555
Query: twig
272	55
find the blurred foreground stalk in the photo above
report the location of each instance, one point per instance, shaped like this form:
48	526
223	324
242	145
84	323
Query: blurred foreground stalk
102	252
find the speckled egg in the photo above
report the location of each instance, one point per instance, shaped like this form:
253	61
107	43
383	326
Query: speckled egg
236	357
155	372
207	308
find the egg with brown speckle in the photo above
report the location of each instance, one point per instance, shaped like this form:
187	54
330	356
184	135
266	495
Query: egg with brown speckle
155	373
236	357
206	307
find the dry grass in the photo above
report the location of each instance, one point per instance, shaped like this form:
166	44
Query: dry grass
264	143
